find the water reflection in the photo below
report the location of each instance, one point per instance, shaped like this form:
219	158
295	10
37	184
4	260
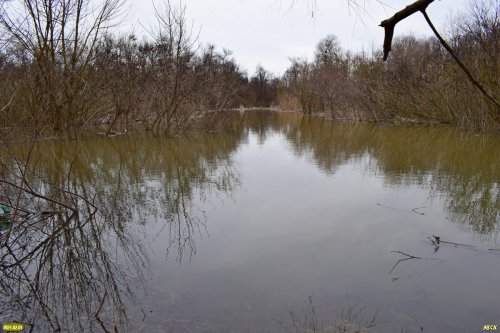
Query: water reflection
75	247
75	250
463	167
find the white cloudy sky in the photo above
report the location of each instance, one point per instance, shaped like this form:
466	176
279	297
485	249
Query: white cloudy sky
268	32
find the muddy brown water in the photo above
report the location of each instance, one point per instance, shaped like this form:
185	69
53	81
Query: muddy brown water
281	223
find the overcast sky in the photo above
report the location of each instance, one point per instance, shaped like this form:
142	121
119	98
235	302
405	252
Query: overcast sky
268	32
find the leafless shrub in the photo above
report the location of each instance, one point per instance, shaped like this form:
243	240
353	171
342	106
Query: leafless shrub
420	82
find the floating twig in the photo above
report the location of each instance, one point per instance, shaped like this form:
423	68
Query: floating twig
414	210
408	257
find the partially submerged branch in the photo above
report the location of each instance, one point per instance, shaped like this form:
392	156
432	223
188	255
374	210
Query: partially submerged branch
437	240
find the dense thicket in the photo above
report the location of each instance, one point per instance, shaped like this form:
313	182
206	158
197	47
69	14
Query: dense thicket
420	82
61	70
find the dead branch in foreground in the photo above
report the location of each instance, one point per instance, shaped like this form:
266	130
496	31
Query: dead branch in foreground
420	6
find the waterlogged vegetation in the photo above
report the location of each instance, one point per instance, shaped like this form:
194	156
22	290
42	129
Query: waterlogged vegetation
137	194
167	83
419	83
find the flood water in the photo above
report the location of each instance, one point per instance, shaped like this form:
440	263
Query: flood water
281	223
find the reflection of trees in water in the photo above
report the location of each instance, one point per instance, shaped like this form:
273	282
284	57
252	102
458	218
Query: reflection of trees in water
70	249
59	272
328	148
463	166
73	250
163	180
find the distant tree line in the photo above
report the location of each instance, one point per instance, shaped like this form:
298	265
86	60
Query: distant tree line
62	71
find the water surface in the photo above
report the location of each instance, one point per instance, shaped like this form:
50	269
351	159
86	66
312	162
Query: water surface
251	229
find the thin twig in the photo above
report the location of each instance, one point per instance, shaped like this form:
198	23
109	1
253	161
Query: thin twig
409	257
7	105
462	66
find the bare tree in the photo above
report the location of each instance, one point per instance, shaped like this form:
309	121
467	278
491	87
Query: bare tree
59	38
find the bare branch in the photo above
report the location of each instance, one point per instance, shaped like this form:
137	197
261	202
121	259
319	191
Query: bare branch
390	23
462	66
